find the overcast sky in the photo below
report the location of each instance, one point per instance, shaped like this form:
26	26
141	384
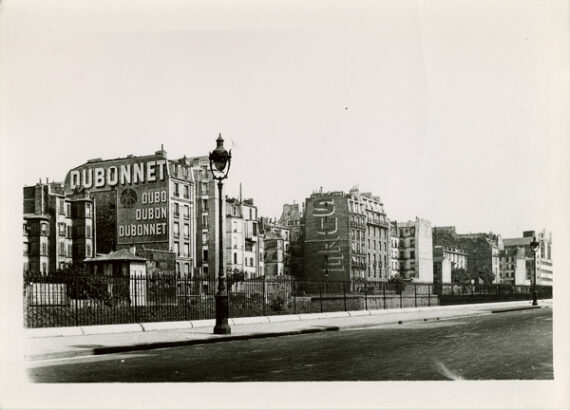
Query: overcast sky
449	111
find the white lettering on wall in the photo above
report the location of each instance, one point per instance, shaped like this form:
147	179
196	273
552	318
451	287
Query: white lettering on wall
99	177
112	176
125	174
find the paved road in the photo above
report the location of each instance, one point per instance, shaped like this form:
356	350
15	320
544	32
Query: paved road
509	345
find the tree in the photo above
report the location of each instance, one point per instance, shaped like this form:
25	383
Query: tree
460	275
398	282
235	276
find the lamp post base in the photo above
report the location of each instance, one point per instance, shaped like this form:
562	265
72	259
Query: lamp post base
222	327
534	301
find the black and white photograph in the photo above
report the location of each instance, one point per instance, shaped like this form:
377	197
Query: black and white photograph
285	204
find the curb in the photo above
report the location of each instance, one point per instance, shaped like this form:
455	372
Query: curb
152	326
175	343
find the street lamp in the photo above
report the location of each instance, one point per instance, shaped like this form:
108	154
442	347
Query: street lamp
220	161
534	247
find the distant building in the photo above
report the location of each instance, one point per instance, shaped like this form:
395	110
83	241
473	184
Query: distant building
518	249
346	238
445	261
412	250
293	218
58	227
242	251
482	249
276	239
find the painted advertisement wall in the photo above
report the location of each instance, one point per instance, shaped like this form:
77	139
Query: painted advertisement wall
327	256
131	200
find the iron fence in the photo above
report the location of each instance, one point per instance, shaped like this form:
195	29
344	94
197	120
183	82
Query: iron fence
55	301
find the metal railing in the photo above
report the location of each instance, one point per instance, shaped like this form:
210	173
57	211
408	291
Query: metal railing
54	301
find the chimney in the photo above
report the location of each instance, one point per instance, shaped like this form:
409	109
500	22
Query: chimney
240	198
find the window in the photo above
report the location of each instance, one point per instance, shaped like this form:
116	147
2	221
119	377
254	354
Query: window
176	189
412	255
248	247
204	237
88	233
205	269
186	212
44	229
176	209
205	254
234	224
61	229
176	229
176	249
68	210
186	192
186	249
187	268
69	250
44	268
186	230
235	258
88	250
204	204
62	207
250	261
178	268
88	210
250	213
205	221
204	188
69	231
44	249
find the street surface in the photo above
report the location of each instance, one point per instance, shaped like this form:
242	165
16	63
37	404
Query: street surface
502	346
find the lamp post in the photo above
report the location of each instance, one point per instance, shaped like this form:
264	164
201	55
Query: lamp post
534	247
220	161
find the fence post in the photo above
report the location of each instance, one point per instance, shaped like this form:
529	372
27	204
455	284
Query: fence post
263	301
321	294
135	285
76	293
384	294
294	297
401	292
415	295
365	298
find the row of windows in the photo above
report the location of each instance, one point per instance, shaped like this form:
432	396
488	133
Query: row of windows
176	230
65	209
185	211
185	191
65	230
183	251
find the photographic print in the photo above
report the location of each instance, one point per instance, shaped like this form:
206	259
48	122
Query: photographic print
285	204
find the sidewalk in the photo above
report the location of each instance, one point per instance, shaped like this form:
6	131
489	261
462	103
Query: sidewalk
43	344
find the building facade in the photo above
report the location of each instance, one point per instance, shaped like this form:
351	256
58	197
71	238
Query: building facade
412	250
482	249
346	238
518	249
58	228
276	239
146	201
293	218
242	250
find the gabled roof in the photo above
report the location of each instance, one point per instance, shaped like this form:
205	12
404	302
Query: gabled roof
120	255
